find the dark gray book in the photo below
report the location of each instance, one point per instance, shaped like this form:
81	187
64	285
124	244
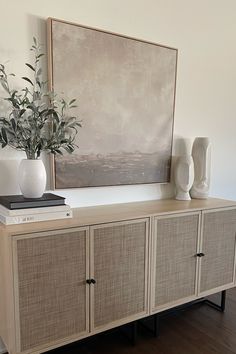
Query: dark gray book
19	202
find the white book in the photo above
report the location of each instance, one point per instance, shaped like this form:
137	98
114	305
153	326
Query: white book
17	212
22	219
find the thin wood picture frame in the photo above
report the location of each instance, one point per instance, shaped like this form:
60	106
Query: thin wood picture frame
126	99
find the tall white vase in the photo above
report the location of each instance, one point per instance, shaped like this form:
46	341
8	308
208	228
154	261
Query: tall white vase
184	171
201	153
32	178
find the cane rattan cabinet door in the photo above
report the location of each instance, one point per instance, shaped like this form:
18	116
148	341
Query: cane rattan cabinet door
119	265
217	267
174	270
50	287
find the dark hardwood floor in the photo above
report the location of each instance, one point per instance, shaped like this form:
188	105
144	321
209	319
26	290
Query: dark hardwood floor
199	329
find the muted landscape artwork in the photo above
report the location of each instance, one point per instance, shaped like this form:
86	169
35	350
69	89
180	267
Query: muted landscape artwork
125	90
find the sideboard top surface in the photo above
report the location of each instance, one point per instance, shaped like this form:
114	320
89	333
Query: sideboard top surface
117	212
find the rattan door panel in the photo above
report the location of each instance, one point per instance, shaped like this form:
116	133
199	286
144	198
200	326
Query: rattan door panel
175	261
218	245
120	270
51	285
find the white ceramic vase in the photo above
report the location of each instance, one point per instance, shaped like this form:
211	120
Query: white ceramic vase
32	178
201	153
184	170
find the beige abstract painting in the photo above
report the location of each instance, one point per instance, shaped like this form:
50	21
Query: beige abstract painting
126	92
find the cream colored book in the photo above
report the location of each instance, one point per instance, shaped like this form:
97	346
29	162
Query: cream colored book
26	211
22	219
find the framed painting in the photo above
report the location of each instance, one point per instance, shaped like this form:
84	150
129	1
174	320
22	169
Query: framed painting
126	95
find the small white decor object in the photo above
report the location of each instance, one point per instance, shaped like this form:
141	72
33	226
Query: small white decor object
201	153
32	178
184	172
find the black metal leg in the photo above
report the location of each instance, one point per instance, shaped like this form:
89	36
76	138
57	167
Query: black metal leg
156	325
132	336
217	307
223	300
134	332
155	329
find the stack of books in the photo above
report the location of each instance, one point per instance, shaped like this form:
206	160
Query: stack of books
15	209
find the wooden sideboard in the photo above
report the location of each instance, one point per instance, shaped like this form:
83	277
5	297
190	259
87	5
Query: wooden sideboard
65	280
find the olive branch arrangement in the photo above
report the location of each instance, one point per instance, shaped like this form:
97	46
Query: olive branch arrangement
38	121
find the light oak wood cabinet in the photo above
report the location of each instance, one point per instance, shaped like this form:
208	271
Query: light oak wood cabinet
119	265
175	245
75	282
65	280
51	296
218	244
193	256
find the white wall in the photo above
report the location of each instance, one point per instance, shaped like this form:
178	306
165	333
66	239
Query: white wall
203	31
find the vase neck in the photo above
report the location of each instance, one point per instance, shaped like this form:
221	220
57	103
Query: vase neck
31	155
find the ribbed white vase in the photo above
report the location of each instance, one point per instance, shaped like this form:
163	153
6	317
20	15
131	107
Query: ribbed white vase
202	165
32	178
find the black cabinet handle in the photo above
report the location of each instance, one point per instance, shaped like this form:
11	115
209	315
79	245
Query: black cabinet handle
200	254
91	281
